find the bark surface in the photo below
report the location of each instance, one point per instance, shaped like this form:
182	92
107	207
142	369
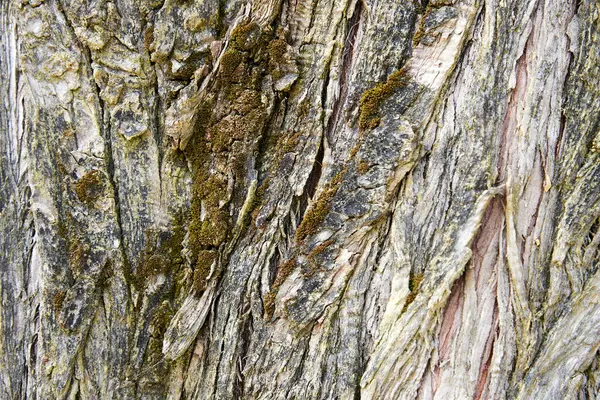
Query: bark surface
276	199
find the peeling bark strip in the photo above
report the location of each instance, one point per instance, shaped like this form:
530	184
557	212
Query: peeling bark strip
299	199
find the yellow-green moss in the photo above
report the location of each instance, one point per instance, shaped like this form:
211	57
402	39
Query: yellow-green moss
148	37
363	167
313	265
420	32
245	36
203	118
259	200
229	63
154	264
317	212
212	231
303	109
89	188
77	255
239	96
441	3
153	357
208	223
413	285
414	282
172	247
202	268
355	149
246	101
211	190
269	303
62	229
162	259
320	248
206	235
236	128
161	318
58	300
283	272
288	143
315	215
372	99
62	168
223	141
277	49
339	177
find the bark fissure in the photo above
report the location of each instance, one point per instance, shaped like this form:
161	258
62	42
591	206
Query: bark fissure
352	28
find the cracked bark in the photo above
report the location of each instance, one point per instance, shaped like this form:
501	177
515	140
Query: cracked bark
304	199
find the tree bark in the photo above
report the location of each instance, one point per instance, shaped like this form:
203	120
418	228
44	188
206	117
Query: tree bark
299	199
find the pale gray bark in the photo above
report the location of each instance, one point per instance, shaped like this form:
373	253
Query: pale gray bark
299	199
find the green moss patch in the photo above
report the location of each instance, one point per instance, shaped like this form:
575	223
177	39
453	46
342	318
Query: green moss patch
363	167
78	254
90	187
246	36
229	125
203	266
313	265
372	99
316	214
58	300
258	201
318	210
283	272
414	283
230	60
161	256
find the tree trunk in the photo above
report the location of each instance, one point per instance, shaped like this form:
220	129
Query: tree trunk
299	199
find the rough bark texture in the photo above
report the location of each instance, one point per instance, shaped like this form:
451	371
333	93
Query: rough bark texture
299	199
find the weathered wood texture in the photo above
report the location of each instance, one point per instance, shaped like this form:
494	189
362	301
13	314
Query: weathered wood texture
299	199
